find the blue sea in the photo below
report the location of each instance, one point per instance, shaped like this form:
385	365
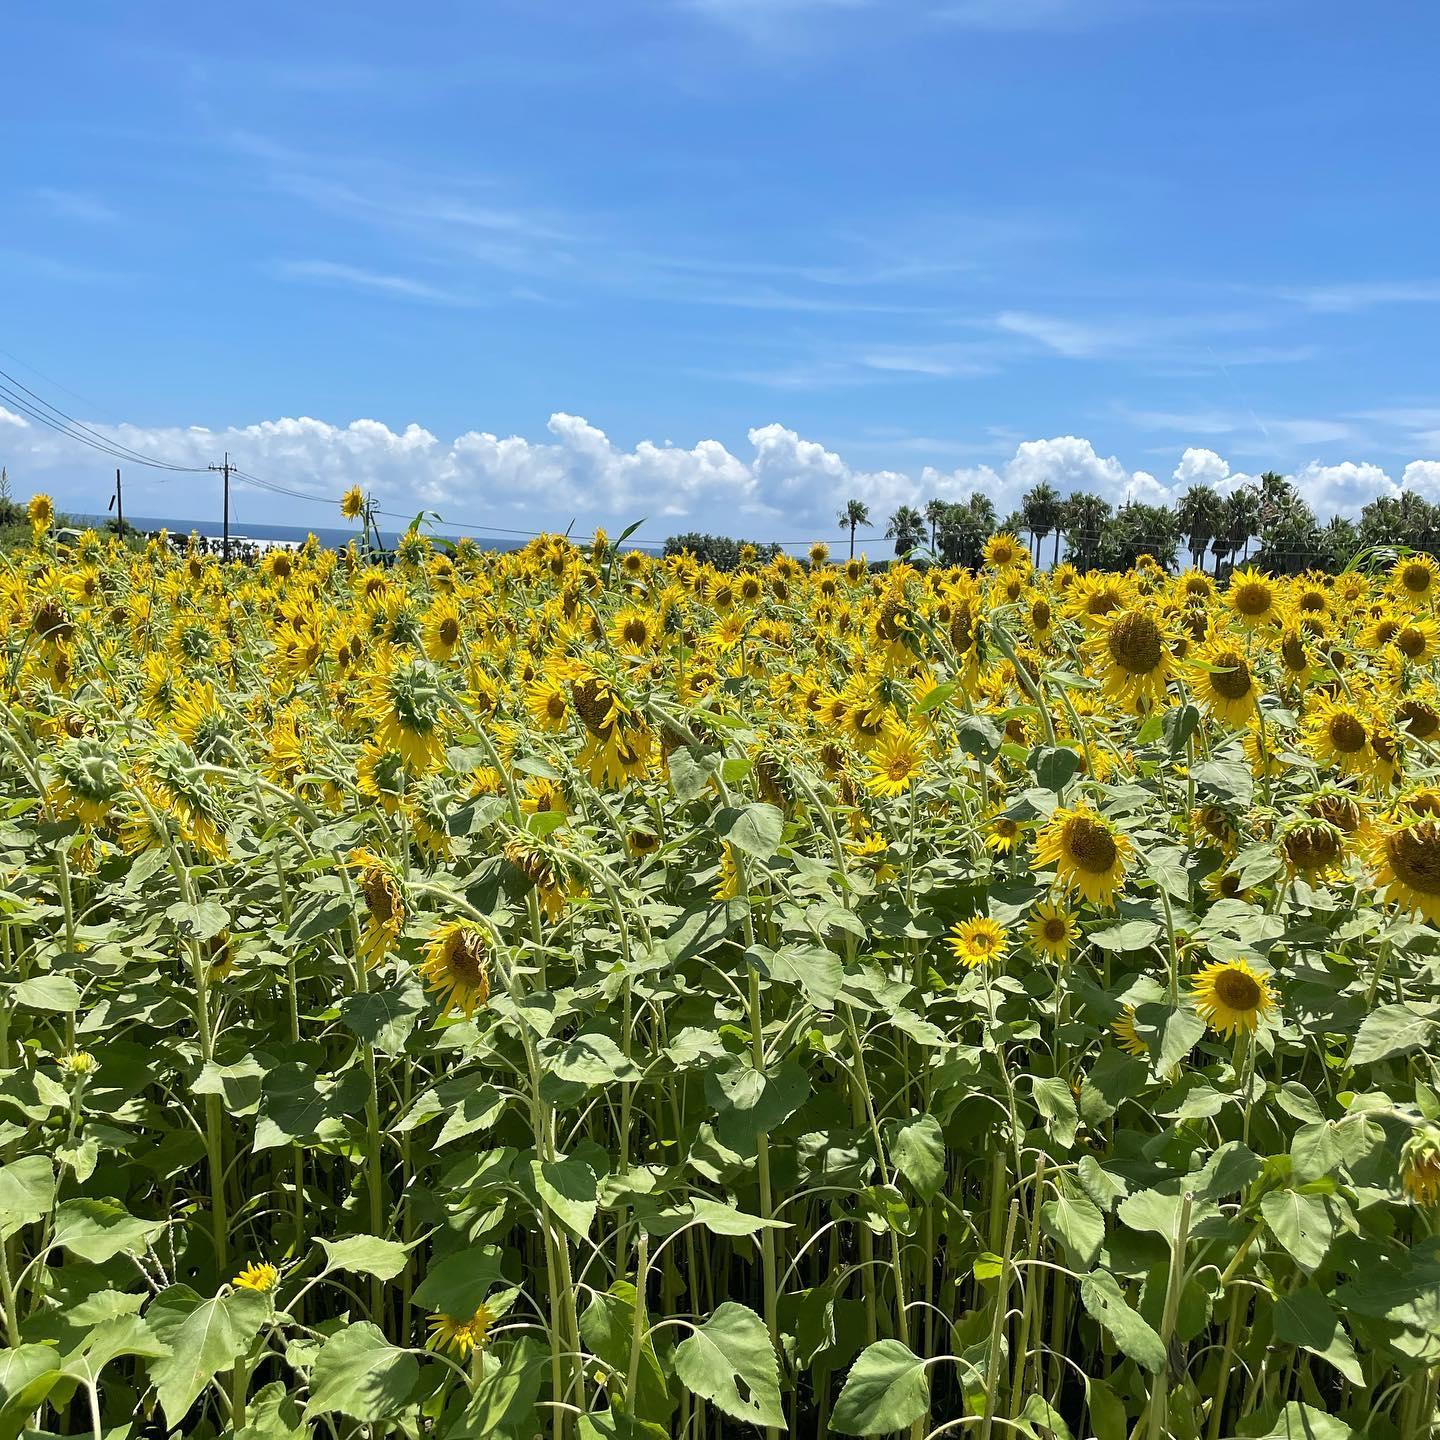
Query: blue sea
333	537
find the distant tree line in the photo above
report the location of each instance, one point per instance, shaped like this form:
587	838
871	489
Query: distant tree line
1267	522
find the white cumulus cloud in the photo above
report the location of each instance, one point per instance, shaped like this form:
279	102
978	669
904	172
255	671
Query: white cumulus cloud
776	483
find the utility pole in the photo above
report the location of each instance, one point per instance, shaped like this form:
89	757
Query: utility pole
117	503
225	471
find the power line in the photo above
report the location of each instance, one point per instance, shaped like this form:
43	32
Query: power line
45	413
81	431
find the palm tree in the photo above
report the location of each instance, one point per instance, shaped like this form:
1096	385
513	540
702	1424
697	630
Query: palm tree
855	513
1041	508
934	514
1240	522
906	529
1084	516
1200	513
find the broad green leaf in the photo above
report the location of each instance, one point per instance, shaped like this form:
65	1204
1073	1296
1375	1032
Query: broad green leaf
1306	1318
569	1190
1103	1299
1298	1421
385	1018
608	1328
28	1373
359	1373
27	1191
756	829
616	1425
201	920
365	1255
507	1392
204	1336
591	1059
98	1230
727	1220
272	1414
887	1389
1076	1221
1107	1411
48	992
1127	936
917	1150
1392	1030
457	1283
1302	1223
733	1347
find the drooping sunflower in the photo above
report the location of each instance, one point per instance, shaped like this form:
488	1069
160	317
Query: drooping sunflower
381	776
897	760
1232	997
1406	857
1312	847
1223	681
1420	1166
1122	1027
1052	929
456	965
352	503
978	941
1087	851
384	904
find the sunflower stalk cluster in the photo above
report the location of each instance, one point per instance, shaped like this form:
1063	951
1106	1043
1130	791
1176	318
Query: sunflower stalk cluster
577	994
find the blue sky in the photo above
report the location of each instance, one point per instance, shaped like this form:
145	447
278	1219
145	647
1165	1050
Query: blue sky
723	263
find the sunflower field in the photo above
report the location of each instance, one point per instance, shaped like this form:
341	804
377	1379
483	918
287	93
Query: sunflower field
570	993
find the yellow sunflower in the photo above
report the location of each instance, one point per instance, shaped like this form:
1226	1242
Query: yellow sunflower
262	1278
979	941
1232	997
456	965
1052	929
1224	683
1251	597
897	760
1087	852
352	503
1406	857
1133	655
1122	1027
461	1335
1337	735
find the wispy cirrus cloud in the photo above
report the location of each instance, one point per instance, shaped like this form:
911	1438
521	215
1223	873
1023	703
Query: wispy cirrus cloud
1365	294
355	277
80	205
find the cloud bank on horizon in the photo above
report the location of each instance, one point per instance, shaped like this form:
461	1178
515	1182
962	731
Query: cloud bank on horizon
787	487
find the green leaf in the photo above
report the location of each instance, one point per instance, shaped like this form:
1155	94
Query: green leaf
508	1391
727	1220
1103	1299
1182	1032
756	829
1130	935
272	1414
48	992
1302	1223
28	1373
1055	766
1224	782
99	1230
204	1336
917	1149
615	1425
1056	1103
1306	1318
1315	1152
457	1283
27	1191
592	1059
569	1190
978	736
202	920
733	1347
359	1373
1107	1411
887	1389
1076	1221
608	1329
365	1255
1391	1030
1298	1421
385	1018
